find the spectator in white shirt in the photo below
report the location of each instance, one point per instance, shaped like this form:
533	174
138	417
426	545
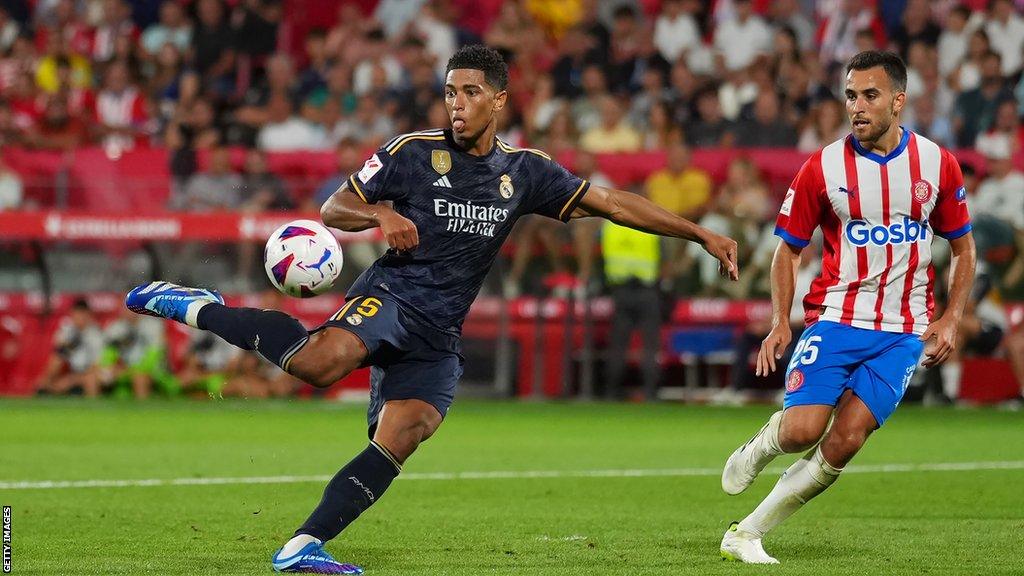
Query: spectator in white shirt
287	132
968	75
77	346
396	15
1005	29
8	30
953	40
1001	195
435	25
675	31
10	188
741	39
376	53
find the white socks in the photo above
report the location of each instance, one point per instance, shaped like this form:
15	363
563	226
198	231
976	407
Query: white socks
192	312
295	544
804	480
765	445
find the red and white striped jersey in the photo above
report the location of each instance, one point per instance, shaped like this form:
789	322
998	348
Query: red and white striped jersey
877	216
125	109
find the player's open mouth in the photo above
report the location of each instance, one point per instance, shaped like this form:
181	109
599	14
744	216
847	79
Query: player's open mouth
458	124
860	123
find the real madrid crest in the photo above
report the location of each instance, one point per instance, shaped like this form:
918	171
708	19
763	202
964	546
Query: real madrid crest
354	319
441	160
505	187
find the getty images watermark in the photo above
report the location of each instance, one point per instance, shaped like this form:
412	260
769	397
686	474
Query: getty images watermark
7	539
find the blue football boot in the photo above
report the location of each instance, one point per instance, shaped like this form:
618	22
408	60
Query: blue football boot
166	300
312	559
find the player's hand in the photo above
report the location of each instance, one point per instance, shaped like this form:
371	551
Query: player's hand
940	337
724	249
399	232
772	348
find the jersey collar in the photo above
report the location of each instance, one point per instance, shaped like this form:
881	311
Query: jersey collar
877	157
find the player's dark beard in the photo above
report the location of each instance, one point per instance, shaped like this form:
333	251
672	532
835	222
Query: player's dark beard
881	131
882	128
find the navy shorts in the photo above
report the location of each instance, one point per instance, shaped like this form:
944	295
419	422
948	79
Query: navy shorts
408	358
831	357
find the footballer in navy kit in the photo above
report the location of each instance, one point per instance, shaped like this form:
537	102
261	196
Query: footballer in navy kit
444	200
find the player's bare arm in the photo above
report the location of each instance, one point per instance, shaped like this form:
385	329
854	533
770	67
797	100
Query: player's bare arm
345	210
783	274
635	211
961	278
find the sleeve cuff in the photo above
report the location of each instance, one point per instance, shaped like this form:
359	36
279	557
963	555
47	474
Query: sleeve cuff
574	201
953	235
790	239
355	188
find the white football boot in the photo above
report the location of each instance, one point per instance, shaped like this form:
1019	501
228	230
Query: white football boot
738	546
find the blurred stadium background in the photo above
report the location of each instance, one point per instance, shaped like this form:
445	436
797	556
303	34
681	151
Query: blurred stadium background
144	139
166	139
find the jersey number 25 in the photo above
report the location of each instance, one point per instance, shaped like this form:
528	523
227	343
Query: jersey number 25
806	351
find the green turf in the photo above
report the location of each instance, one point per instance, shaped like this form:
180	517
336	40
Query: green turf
953	522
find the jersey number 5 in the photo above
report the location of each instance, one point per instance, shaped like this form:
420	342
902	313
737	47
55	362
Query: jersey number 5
369	307
806	351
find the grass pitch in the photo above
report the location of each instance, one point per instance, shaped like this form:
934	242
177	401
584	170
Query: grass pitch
568	505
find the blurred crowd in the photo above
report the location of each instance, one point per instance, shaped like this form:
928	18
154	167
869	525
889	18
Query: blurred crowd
605	76
129	356
588	76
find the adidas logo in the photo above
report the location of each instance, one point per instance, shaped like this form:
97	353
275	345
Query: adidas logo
443	182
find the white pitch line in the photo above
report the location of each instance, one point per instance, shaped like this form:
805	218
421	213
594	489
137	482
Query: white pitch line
500	475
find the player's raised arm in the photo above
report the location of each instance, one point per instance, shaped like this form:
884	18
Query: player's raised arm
635	211
345	210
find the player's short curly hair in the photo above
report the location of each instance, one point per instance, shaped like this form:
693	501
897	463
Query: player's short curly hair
890	62
483	58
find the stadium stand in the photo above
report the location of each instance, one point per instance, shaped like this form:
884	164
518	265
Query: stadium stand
110	110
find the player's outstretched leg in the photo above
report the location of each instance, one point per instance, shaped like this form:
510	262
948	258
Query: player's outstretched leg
402	426
275	335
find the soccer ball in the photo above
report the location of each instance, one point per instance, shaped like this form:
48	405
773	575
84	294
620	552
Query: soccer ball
302	258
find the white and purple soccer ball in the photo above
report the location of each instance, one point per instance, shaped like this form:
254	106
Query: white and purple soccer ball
302	258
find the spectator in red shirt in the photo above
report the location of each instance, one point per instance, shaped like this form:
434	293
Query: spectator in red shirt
121	116
58	129
25	106
65	23
115	23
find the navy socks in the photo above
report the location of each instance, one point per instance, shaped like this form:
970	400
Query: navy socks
352	490
275	335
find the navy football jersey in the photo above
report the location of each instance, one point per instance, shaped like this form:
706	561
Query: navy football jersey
464	206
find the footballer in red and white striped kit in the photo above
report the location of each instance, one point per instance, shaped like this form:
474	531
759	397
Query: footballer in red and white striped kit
879	195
